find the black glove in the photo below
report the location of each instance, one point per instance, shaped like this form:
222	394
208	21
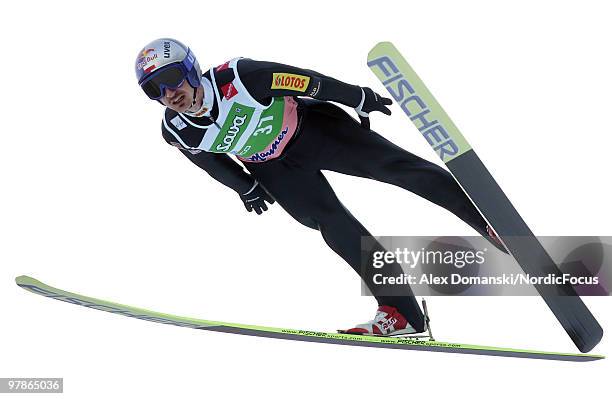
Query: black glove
256	198
370	101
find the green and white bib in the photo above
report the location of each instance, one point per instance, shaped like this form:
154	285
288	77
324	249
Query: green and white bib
244	127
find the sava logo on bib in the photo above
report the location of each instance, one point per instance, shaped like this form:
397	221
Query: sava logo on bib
234	127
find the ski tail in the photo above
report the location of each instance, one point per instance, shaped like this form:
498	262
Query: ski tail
563	301
417	102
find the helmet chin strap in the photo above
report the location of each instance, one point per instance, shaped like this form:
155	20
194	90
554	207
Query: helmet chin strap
207	98
195	92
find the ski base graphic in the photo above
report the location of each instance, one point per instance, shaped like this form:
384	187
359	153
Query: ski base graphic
37	287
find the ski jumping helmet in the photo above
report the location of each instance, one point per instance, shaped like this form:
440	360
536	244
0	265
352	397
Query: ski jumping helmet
166	63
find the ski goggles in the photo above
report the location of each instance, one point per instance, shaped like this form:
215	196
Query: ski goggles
169	77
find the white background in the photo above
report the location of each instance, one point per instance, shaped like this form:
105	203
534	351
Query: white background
94	201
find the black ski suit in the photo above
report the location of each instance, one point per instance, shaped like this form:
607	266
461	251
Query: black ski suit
327	138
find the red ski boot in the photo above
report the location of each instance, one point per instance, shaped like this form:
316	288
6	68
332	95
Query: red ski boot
388	321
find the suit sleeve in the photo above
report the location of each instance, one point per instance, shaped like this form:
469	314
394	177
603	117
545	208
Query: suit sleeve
265	79
219	166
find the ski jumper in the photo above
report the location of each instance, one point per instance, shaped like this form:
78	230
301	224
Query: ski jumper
263	116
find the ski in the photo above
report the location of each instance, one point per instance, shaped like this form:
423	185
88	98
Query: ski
413	97
37	287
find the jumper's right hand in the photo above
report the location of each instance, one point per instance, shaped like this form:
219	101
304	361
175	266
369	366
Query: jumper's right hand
256	198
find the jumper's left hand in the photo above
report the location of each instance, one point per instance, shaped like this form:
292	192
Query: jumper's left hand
370	102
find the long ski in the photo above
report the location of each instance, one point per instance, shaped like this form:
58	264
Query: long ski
35	286
431	120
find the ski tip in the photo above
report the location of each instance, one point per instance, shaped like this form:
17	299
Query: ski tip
385	43
379	46
23	279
